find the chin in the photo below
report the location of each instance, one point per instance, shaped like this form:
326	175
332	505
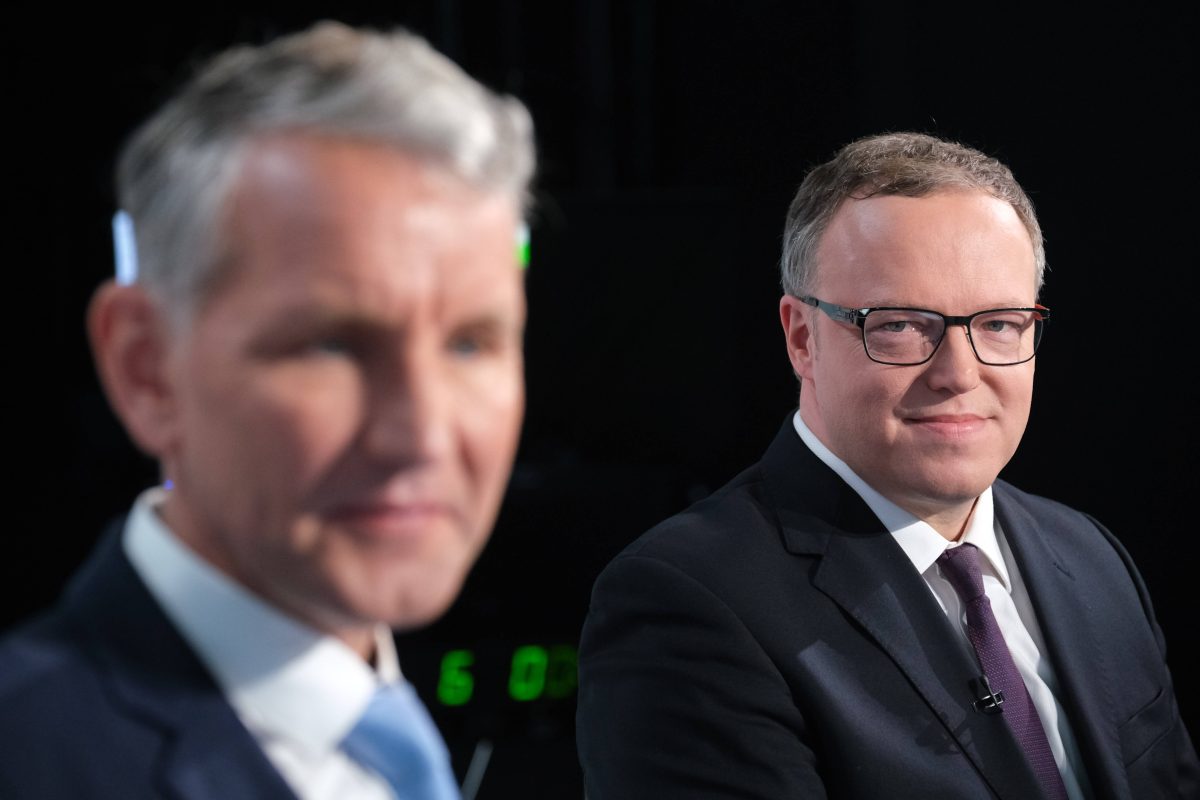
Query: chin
396	586
423	601
421	613
943	493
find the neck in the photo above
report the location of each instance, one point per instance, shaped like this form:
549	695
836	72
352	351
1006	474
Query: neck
951	523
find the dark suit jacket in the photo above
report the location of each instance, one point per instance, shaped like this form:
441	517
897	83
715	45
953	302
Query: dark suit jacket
102	698
773	641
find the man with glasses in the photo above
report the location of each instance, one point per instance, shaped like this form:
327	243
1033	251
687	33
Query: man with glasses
869	612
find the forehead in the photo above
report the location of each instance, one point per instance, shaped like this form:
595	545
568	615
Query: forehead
309	214
953	243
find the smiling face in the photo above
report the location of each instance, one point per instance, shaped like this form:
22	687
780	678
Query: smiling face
930	437
346	405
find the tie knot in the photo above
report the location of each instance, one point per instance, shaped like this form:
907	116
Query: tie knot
960	566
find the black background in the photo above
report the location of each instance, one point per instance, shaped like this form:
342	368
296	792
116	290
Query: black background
672	134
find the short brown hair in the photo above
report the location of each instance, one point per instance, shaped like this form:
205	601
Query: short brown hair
908	164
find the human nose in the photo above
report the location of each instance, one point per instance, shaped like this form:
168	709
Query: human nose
409	417
954	366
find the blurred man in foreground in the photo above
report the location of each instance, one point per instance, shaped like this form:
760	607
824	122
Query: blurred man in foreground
322	348
869	612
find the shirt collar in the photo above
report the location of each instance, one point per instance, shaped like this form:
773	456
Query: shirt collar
281	676
917	538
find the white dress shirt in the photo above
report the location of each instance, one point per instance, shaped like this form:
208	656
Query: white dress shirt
297	690
1003	585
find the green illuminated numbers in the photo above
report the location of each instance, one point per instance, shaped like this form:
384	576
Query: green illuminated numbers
563	673
456	684
536	671
528	677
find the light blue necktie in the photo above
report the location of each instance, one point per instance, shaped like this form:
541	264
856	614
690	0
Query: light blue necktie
396	737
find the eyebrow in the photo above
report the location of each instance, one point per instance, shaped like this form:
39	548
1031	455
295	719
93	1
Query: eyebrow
293	319
896	304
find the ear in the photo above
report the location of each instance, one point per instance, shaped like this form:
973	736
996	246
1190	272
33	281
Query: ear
797	332
131	337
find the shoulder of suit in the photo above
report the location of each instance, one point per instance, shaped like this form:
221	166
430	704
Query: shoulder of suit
41	658
726	520
1047	511
1004	490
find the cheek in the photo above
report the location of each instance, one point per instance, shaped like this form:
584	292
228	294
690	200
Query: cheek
316	424
286	428
865	399
490	415
1016	396
298	439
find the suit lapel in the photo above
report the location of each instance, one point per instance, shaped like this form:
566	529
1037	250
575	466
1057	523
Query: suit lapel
1085	679
865	572
156	678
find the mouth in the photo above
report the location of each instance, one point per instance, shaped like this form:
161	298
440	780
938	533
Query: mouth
391	522
951	426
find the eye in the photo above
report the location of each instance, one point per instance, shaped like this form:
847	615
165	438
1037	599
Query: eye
894	326
901	322
1003	326
997	325
305	334
478	339
465	345
330	345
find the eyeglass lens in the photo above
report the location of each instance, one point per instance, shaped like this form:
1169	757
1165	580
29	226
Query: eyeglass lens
910	337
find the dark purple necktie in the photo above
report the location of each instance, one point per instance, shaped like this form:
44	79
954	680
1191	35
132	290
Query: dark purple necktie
960	566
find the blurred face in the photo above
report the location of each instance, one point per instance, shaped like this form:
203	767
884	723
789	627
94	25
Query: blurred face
930	437
348	400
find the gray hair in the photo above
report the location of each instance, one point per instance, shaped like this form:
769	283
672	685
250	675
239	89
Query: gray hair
908	164
177	170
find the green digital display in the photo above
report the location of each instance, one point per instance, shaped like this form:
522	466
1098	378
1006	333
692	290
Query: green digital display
534	672
456	684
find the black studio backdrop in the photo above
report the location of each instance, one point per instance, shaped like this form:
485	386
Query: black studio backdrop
672	134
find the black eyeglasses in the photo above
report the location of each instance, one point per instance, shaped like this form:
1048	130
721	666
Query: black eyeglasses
905	337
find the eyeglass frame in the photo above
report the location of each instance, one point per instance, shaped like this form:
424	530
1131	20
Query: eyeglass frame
858	317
